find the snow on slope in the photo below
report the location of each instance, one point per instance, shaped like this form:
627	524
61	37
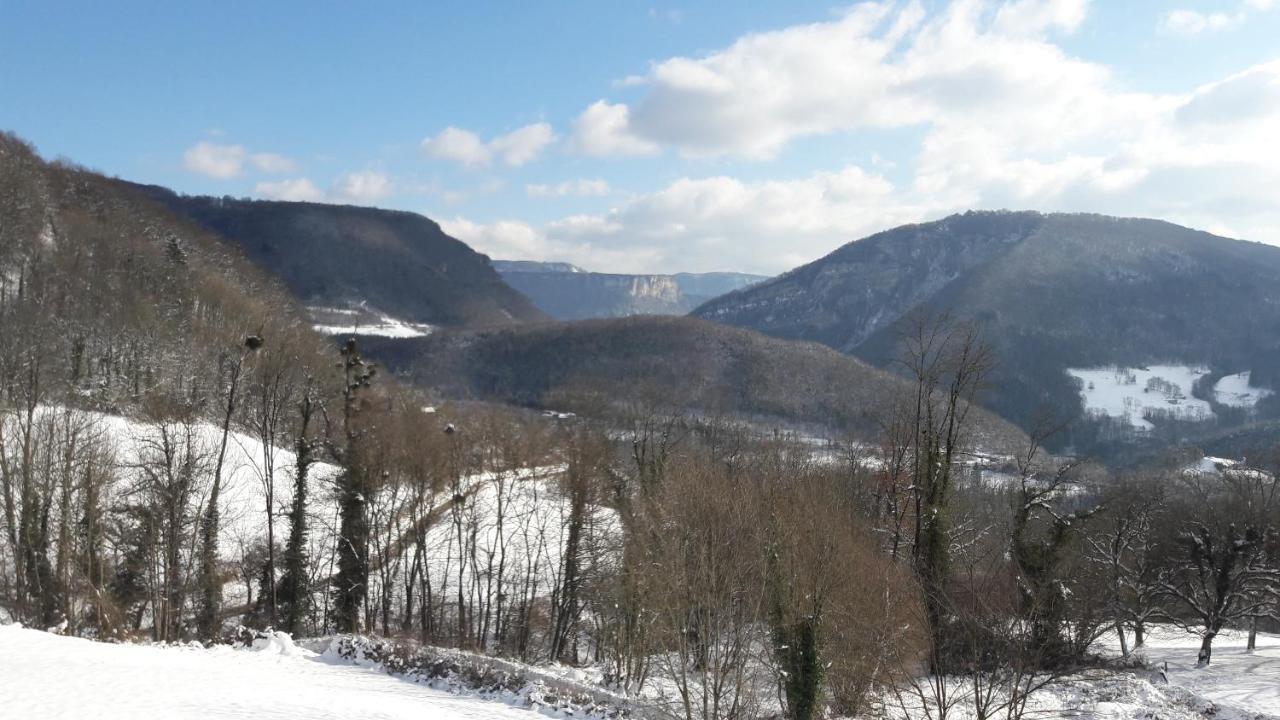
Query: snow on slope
1236	391
344	321
1132	394
532	525
51	677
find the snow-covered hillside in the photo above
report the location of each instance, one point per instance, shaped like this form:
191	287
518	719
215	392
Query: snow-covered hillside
514	519
50	677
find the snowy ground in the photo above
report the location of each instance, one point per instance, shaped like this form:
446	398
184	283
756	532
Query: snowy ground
1131	393
343	321
1236	391
1236	680
54	677
51	677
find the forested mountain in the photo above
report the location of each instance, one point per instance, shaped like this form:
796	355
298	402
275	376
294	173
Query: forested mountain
1054	292
567	292
397	263
683	362
114	301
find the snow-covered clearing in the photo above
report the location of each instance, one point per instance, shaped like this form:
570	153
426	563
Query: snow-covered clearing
341	321
1132	393
51	677
1237	685
135	444
1237	680
1236	391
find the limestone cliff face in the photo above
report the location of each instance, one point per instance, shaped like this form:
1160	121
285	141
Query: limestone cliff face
567	292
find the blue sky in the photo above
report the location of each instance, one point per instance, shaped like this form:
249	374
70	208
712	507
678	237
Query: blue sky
642	137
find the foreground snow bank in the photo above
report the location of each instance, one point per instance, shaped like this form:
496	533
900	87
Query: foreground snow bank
53	677
487	677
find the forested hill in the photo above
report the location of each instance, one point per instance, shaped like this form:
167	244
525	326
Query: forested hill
1055	292
398	263
701	367
112	302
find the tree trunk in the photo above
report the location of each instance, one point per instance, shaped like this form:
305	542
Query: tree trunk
1206	650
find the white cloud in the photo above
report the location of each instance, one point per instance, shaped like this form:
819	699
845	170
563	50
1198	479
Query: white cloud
214	160
1030	17
356	188
297	190
272	164
1053	134
713	223
224	161
461	146
1181	21
466	148
524	145
361	188
567	188
603	129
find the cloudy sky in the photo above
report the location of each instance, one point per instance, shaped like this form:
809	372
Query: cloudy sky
634	137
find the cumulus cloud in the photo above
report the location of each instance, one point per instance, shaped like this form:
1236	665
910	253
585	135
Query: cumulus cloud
297	190
214	160
361	188
224	161
567	188
356	188
1030	17
1005	118
712	223
879	65
1204	158
272	164
1182	21
466	148
604	129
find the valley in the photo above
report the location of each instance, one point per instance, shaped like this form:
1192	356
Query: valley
774	361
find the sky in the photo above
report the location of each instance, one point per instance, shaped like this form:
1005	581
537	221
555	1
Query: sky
640	137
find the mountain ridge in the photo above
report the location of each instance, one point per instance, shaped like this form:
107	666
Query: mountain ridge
400	263
1054	291
568	292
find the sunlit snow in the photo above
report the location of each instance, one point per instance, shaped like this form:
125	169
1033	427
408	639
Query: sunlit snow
1236	391
55	678
1132	394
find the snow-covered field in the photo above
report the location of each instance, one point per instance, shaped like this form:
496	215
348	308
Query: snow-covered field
1131	393
1236	391
50	677
1237	680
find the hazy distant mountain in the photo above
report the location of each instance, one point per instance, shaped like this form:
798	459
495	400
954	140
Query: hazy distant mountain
398	264
1056	292
702	366
568	292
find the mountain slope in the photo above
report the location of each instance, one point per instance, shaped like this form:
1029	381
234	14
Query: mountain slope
692	363
567	292
1054	292
398	263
